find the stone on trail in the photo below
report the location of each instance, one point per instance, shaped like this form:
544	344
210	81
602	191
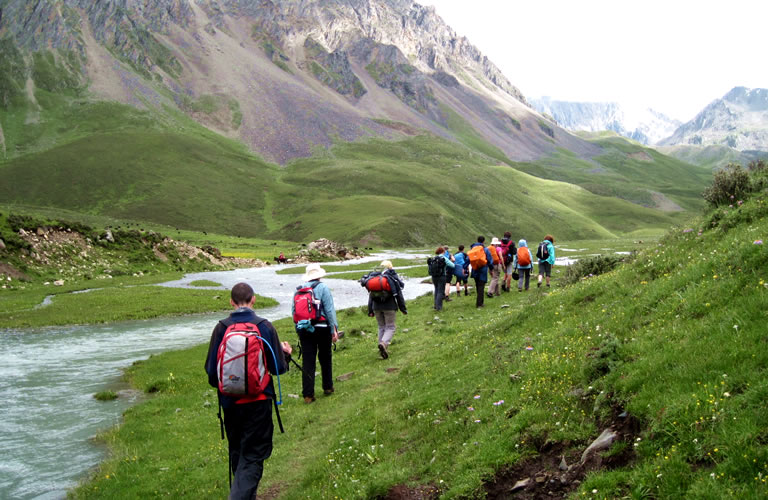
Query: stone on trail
603	442
345	376
521	485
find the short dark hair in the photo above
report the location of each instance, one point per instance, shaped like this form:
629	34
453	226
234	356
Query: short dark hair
461	248
242	293
549	238
507	234
480	239
439	250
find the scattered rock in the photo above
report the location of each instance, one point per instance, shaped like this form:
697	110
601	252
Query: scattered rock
392	369
59	283
406	330
541	478
2	244
504	306
207	404
294	396
40	231
345	376
22	233
109	236
603	442
563	464
521	485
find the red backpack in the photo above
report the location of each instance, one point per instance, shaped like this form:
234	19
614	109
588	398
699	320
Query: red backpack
241	363
306	306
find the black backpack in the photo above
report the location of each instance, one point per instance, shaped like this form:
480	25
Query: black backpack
542	252
436	265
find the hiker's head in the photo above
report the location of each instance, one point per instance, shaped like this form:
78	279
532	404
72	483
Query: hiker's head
507	234
386	264
439	251
495	241
461	248
313	272
522	243
242	295
550	239
480	239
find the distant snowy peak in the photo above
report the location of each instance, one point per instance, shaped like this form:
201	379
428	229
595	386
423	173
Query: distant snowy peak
640	124
738	120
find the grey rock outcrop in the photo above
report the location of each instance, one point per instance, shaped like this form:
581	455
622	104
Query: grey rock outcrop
738	120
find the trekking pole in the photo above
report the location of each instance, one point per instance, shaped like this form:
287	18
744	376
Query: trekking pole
297	365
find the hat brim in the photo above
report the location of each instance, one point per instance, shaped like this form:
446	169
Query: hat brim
314	275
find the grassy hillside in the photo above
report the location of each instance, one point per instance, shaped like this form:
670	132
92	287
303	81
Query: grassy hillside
629	171
164	169
711	156
666	350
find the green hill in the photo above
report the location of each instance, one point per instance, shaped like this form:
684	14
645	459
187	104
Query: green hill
666	350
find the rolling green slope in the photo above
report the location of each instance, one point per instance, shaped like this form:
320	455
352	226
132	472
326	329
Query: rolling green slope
629	171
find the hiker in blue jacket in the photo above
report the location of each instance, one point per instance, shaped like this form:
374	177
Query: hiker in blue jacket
247	420
439	281
461	271
319	342
523	262
480	275
545	265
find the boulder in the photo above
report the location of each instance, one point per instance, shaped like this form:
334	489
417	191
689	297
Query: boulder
603	442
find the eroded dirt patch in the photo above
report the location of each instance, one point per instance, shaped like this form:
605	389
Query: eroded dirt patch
403	492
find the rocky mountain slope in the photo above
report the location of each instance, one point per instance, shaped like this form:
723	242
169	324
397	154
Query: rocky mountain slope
284	77
738	120
643	125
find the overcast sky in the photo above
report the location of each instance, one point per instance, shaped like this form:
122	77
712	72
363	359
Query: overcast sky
675	56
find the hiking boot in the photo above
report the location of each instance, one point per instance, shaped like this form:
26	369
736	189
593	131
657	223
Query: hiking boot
383	351
519	289
465	293
309	399
504	288
447	299
490	295
547	285
328	392
538	285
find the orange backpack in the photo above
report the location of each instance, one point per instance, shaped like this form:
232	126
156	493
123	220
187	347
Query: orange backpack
523	256
477	257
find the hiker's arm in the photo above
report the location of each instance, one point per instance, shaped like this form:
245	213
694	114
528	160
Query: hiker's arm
329	310
279	349
210	360
449	263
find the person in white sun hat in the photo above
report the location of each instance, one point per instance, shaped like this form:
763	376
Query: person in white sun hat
317	341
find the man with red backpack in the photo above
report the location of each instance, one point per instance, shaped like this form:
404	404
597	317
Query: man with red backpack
248	415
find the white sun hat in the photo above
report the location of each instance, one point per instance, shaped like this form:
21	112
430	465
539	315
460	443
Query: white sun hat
313	272
495	241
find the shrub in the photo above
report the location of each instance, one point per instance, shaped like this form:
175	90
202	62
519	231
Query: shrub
591	267
105	395
729	184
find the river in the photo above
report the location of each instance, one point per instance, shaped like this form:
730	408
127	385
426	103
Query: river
48	377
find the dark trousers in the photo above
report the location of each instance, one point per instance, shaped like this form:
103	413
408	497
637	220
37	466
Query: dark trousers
316	344
439	282
249	435
480	289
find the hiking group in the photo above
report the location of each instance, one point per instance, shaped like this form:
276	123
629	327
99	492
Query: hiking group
501	260
245	351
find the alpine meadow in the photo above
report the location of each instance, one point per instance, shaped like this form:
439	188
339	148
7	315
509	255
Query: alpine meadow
154	154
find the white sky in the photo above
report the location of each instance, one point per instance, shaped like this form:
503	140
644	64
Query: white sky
675	56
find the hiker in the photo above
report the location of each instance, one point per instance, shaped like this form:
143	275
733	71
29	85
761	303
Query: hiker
448	274
248	419
317	336
384	306
437	266
281	259
496	269
461	271
546	255
480	259
524	263
508	250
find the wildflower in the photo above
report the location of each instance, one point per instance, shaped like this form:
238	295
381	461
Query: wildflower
477	396
477	421
758	242
499	402
687	230
739	202
470	408
735	327
727	394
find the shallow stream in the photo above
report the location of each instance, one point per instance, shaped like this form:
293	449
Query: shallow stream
48	377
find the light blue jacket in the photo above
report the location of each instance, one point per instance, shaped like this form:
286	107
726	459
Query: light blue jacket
523	244
323	294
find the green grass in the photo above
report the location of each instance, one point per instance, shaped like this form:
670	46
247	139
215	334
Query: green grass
207	283
628	171
113	303
672	338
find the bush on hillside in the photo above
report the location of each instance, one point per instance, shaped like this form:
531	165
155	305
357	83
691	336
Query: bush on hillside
592	266
730	184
